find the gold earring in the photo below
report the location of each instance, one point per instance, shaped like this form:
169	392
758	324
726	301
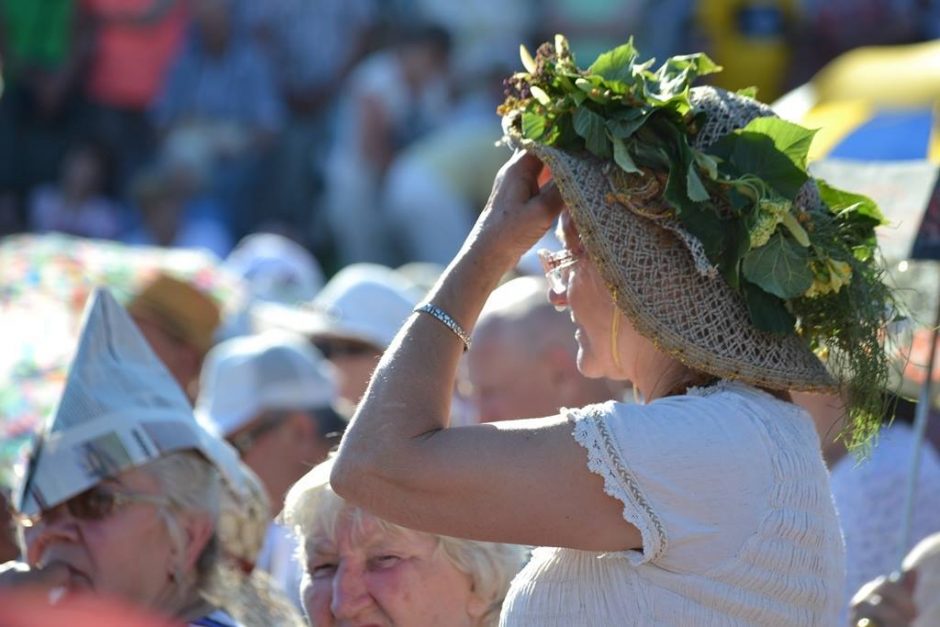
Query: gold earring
614	333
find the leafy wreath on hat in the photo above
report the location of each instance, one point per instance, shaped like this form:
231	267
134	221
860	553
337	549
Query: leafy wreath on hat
799	256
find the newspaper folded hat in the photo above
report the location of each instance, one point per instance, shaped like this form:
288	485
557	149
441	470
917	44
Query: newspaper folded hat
120	409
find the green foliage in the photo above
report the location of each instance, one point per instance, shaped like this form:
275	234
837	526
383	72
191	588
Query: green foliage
807	270
780	267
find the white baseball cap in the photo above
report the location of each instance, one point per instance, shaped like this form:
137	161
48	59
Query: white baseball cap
276	269
365	302
244	376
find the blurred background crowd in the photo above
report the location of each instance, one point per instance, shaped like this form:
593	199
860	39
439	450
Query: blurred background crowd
358	127
313	145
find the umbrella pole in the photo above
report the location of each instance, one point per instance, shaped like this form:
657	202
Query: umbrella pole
920	430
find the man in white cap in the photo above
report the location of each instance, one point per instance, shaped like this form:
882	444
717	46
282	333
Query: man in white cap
122	493
351	321
271	395
523	362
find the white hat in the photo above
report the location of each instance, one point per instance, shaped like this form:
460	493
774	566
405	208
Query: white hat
276	269
244	376
364	302
120	408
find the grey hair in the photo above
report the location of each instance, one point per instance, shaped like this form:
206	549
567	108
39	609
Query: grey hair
193	485
313	509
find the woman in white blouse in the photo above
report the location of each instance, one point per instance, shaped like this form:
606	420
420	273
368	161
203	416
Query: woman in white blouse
708	504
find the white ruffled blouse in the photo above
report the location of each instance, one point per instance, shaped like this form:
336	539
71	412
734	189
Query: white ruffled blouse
729	490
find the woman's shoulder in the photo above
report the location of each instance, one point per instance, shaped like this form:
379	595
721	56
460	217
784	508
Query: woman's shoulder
722	400
728	416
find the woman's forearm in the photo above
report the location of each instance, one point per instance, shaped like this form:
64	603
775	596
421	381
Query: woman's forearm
410	393
389	443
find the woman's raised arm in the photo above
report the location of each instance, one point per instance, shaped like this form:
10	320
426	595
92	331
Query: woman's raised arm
523	482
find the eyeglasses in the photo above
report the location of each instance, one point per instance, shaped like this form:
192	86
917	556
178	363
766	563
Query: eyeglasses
557	267
337	347
95	504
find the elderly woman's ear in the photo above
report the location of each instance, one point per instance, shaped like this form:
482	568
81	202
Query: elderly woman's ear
477	606
197	529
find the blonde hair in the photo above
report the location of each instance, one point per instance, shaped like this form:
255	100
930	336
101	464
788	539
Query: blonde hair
313	509
193	485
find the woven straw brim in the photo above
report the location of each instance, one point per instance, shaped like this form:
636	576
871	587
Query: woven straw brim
652	277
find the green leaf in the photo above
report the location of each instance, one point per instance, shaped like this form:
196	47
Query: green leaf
584	85
767	312
748	92
590	126
533	125
796	229
780	267
617	64
839	201
791	139
578	97
701	219
736	245
707	163
675	76
624	124
697	191
757	154
622	156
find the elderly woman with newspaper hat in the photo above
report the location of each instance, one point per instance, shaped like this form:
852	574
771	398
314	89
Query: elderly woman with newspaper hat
127	498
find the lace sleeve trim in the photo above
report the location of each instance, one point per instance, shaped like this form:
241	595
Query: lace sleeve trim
605	460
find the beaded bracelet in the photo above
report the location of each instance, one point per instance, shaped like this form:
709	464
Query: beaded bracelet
444	318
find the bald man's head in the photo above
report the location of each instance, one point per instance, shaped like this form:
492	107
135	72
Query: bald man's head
524	358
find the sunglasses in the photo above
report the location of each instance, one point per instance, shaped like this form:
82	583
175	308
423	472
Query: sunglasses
95	504
338	347
557	267
245	440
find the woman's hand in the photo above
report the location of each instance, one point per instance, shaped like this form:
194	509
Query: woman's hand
517	213
885	602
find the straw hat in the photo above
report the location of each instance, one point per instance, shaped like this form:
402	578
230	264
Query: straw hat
657	272
179	308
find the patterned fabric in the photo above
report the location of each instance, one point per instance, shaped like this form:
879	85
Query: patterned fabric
730	494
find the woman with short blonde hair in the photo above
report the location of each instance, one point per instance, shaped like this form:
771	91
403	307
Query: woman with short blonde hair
320	518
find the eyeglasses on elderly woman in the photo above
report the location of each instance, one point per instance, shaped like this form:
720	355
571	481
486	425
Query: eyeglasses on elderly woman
94	504
557	266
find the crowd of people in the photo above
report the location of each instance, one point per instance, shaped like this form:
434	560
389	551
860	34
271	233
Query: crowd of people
468	386
359	127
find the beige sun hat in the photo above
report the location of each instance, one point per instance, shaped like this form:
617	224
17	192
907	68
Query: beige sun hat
657	273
